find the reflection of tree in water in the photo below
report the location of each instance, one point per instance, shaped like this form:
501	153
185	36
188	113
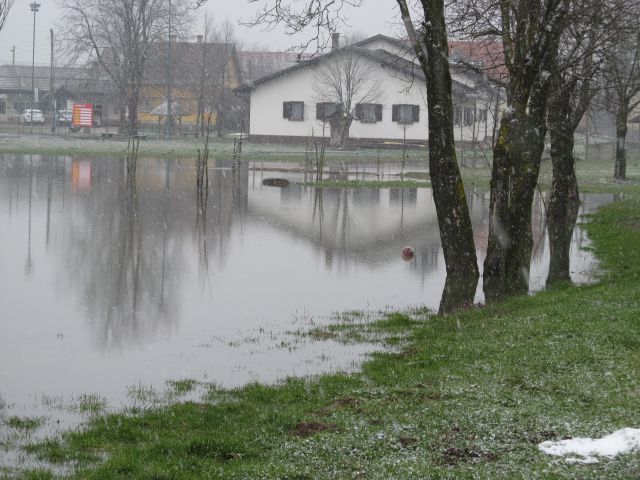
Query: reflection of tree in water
127	249
222	203
28	268
124	259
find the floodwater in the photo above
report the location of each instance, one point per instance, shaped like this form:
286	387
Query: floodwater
101	291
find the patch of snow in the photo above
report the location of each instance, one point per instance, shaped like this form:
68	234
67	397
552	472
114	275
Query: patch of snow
622	441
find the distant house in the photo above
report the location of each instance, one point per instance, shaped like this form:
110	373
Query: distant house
285	106
72	85
201	75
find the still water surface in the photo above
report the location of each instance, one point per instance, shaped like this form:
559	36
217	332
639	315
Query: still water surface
100	290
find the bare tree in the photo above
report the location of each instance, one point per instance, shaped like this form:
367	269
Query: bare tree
117	35
223	101
346	86
205	72
530	32
622	74
574	85
5	6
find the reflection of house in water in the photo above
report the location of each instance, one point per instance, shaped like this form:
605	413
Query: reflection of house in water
364	225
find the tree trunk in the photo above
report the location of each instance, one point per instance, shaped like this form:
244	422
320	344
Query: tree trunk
562	211
339	132
122	105
122	124
560	231
620	172
516	164
456	232
132	104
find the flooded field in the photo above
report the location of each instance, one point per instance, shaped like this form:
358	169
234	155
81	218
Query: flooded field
103	291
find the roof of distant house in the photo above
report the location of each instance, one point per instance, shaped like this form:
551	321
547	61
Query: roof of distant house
386	59
256	65
18	78
402	45
487	55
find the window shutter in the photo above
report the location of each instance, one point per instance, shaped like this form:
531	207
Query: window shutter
320	111
416	113
378	112
286	109
395	111
358	111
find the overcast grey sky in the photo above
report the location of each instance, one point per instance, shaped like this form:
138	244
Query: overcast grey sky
376	16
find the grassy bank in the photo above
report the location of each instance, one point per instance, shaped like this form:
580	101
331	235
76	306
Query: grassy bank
467	396
78	147
185	147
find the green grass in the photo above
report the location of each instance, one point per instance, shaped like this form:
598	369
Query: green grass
182	387
24	423
464	396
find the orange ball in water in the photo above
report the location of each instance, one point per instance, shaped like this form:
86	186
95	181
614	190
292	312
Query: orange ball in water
407	253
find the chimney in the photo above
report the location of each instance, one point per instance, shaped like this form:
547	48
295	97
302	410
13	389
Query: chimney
199	38
335	41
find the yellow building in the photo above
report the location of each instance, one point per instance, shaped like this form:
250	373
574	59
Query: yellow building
201	75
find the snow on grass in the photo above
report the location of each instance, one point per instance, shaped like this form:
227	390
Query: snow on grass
624	440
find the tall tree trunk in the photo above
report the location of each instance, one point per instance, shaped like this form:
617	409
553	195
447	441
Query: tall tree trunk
456	232
620	172
530	52
122	123
516	165
562	211
132	104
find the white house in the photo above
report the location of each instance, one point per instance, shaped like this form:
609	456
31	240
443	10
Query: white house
286	106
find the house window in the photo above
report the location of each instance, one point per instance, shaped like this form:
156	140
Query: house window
326	110
369	112
293	111
3	106
468	115
405	114
482	115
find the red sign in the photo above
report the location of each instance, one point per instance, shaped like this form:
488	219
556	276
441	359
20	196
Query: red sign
82	115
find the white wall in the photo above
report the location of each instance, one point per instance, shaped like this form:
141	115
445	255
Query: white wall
267	99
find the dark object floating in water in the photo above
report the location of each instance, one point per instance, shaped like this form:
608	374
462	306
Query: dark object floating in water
275	182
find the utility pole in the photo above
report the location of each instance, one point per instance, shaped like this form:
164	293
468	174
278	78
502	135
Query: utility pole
52	89
34	8
169	125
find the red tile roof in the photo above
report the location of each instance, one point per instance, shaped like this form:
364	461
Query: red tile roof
485	54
